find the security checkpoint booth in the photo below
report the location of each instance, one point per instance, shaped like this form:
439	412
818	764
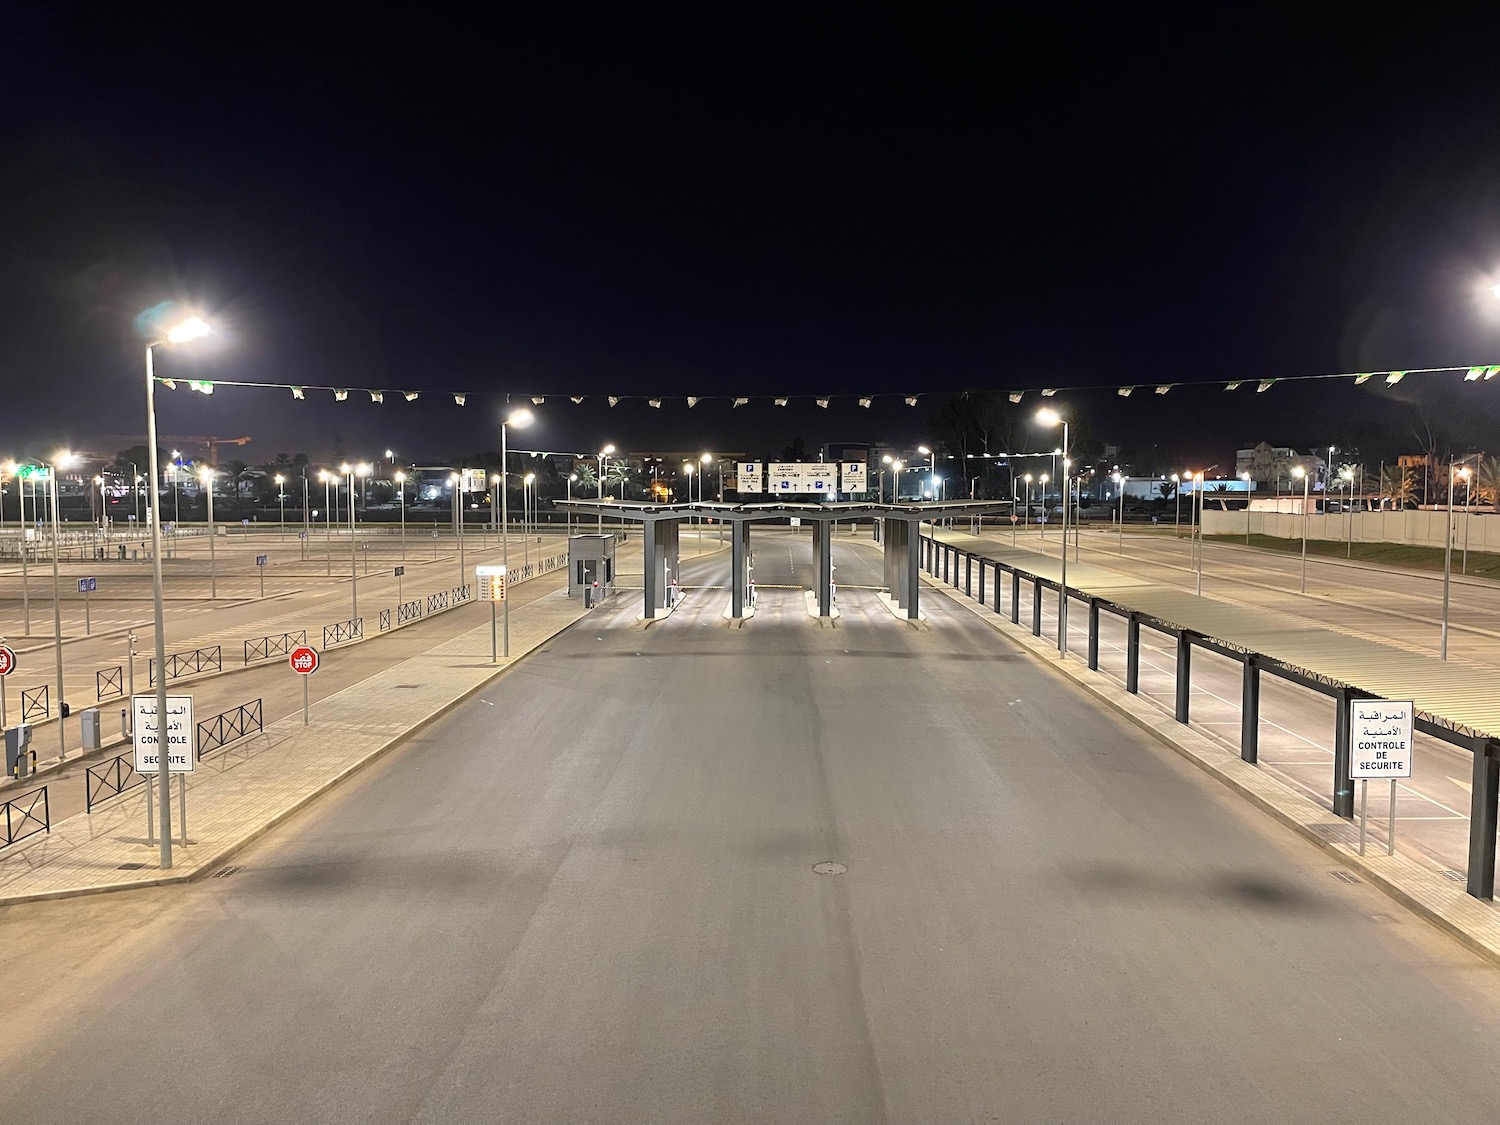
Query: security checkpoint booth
591	567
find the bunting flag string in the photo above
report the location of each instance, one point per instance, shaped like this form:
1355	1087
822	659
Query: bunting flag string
1479	373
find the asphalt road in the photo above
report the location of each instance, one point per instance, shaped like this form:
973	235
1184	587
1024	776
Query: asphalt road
589	896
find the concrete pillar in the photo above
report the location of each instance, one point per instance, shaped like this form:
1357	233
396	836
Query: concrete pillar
739	573
1093	634
1343	785
1250	712
1184	675
1482	820
822	537
913	583
1036	607
1015	597
1132	653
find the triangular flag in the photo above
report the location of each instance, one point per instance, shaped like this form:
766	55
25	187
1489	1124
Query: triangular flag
577	398
460	399
1124	392
911	400
297	393
692	401
1358	379
1049	392
537	400
654	402
613	400
1164	388
411	396
1491	372
1394	377
779	401
377	396
1473	374
1015	396
864	402
1263	386
340	396
170	384
823	402
1234	386
741	401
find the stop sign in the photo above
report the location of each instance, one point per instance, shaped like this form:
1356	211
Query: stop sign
7	660
304	660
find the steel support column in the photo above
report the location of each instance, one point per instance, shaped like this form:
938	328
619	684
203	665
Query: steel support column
1015	597
1036	607
913	581
1482	820
823	536
1184	675
739	580
969	575
1250	712
1343	785
981	581
1132	653
649	566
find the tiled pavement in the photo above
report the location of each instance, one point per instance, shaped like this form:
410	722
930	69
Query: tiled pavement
1443	903
239	793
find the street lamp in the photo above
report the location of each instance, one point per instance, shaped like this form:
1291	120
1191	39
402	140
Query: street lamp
190	329
206	479
1119	479
1177	515
400	479
521	419
1448	556
362	470
99	484
1306	477
1050	418
571	478
281	496
1245	476
527	500
495	502
327	478
1347	475
63	460
603	456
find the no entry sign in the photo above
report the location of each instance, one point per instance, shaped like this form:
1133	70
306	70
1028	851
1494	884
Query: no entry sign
304	660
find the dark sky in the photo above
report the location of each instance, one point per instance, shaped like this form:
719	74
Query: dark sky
778	201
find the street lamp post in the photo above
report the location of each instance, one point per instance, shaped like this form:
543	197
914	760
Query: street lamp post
1348	475
61	461
571	478
527	499
1245	476
603	456
1464	472
281	496
1447	564
1120	480
1177	516
1299	471
206	476
188	330
400	479
327	478
521	419
1050	418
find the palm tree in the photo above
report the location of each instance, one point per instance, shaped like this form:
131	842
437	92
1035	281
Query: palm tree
618	473
587	476
1487	481
1167	489
1397	485
1221	494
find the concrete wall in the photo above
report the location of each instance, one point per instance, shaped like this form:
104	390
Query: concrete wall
1416	528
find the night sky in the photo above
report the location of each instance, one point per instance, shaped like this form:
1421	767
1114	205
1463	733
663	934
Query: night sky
774	201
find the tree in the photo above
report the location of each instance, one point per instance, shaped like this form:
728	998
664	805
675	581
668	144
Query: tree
1397	485
1167	489
235	471
618	475
587	476
1487	481
1221	494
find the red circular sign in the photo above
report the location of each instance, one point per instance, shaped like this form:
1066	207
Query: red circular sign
7	660
304	660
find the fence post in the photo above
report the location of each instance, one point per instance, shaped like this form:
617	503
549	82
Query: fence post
1036	607
1093	634
1482	820
1184	674
1343	785
1015	597
981	581
1132	653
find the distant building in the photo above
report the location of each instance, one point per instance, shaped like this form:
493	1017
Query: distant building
1270	466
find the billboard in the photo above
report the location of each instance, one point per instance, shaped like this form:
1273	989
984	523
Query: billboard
794	478
853	477
748	477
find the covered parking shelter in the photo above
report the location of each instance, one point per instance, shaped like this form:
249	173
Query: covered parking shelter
900	536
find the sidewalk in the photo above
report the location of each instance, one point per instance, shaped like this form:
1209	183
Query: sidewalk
239	793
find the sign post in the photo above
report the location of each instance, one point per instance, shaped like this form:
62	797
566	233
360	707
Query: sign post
147	727
87	586
260	566
7	666
1380	738
491	581
304	661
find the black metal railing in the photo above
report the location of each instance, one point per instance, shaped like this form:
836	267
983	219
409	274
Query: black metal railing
109	683
385	620
22	818
181	664
341	631
437	602
230	726
35	703
110	779
459	594
408	611
264	648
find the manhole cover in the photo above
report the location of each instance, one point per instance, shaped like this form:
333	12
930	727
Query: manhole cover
224	872
828	867
131	866
1344	876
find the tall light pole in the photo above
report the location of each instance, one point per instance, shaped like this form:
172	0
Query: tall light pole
206	477
176	490
1299	471
281	496
603	456
1198	525
327	478
363	470
1464	472
1177	515
521	419
571	478
1120	480
400	480
1048	417
188	330
1447	563
527	499
495	481
61	461
1245	476
99	484
1347	474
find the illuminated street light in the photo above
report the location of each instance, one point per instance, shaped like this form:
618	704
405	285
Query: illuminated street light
400	479
1448	555
281	497
604	455
1306	477
520	418
1050	418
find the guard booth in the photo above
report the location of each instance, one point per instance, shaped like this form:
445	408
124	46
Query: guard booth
591	565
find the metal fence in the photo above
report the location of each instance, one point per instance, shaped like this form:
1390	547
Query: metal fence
385	620
459	594
437	602
342	631
109	682
26	815
181	664
408	611
229	726
110	779
263	648
35	703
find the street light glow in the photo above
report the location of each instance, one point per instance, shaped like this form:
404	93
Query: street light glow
528	478
607	451
190	329
363	470
1298	471
1046	416
924	451
65	459
520	418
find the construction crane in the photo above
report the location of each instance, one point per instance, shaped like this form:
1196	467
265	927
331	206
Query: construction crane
211	444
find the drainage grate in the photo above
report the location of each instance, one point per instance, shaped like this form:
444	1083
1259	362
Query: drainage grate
130	866
406	687
1345	876
225	872
1456	876
828	867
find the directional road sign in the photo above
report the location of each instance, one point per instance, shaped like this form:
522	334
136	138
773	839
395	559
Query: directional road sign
260	560
304	660
400	570
87	585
